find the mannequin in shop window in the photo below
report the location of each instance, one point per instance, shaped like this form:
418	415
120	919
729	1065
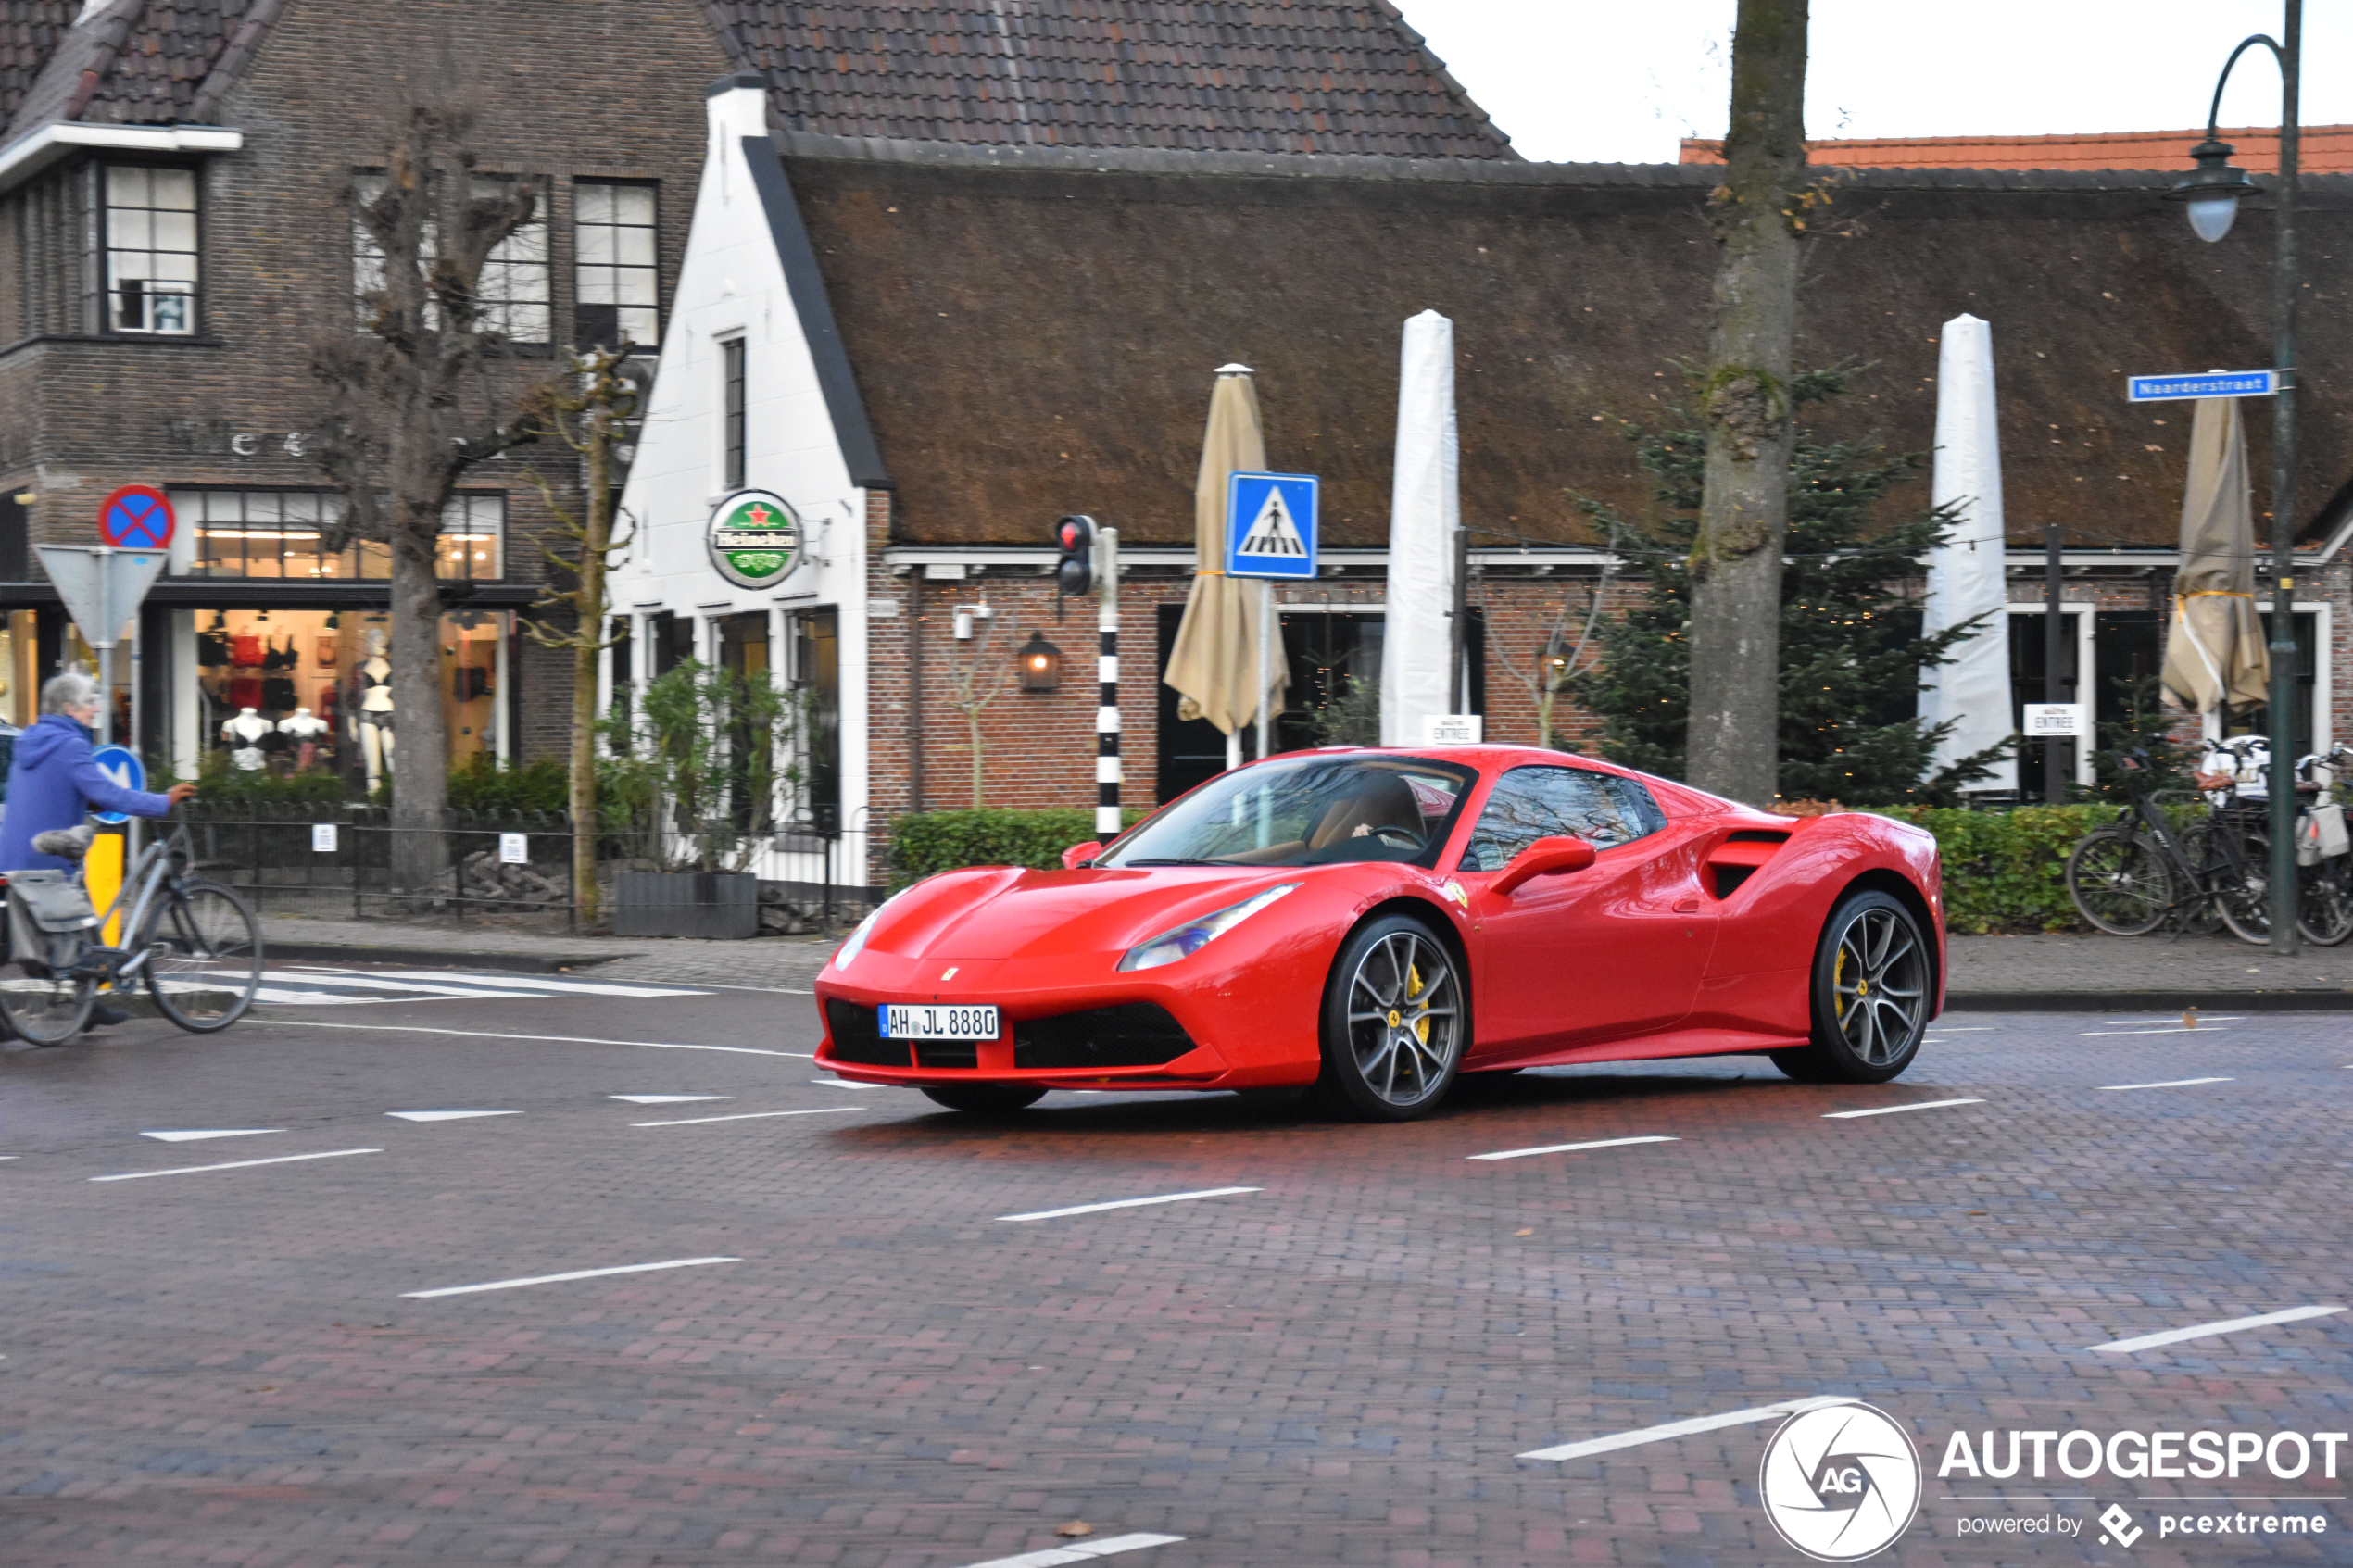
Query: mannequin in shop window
303	730
375	709
244	734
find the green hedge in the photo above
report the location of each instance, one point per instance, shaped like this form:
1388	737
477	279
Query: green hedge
943	841
2006	871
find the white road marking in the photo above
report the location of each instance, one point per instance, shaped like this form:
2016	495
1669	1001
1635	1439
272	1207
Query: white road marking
523	982
1570	1148
2207	1330
235	1165
199	1134
286	995
1892	1109
1079	1551
665	1100
837	1084
559	1279
1127	1203
561	1039
2169	1084
1682	1428
374	982
1961	1029
2177	1029
744	1116
2203	1019
784	990
447	1115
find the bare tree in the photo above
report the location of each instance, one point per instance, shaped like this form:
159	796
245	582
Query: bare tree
1559	659
590	413
975	679
410	406
1758	214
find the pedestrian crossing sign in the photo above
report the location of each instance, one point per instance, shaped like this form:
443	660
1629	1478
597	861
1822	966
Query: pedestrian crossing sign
1270	525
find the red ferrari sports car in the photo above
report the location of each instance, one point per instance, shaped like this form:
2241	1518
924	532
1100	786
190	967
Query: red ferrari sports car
1373	923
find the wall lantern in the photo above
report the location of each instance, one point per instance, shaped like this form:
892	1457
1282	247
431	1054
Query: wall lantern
1551	662
1042	664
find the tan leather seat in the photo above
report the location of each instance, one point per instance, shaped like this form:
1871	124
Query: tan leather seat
1382	801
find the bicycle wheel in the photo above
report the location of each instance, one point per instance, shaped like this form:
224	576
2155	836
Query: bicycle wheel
40	1005
2244	895
2119	882
2324	903
209	965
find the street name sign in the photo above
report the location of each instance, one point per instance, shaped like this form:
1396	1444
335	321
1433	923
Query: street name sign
2053	720
2212	383
1270	525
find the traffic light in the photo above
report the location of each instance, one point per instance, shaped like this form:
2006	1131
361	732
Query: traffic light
1075	575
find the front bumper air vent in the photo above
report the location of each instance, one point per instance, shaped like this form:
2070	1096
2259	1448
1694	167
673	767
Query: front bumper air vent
1132	1035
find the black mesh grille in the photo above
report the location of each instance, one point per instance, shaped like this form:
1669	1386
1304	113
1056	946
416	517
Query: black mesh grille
857	1037
946	1053
1133	1034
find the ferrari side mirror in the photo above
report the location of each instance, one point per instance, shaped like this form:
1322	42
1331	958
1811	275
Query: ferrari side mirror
1544	858
1079	855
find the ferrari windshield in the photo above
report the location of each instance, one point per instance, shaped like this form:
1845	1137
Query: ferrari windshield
1310	811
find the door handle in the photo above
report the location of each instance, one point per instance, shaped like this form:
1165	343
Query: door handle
1687	906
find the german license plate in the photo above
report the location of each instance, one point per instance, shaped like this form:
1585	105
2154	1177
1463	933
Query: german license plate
932	1022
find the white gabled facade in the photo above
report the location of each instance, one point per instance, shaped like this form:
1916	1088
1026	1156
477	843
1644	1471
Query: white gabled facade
747	278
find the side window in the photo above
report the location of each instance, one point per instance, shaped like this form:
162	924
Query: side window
1527	804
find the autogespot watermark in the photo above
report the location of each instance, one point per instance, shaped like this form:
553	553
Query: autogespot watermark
1841	1482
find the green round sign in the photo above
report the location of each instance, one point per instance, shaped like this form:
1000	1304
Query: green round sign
755	538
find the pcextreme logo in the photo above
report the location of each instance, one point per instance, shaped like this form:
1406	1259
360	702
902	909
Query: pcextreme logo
1841	1482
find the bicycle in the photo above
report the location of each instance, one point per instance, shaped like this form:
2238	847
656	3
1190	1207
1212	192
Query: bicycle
196	944
2128	877
2324	867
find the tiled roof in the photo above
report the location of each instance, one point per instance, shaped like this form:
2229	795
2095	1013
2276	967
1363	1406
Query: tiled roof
1292	76
28	32
2323	149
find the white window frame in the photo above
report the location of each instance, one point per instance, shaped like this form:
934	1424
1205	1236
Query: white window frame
104	225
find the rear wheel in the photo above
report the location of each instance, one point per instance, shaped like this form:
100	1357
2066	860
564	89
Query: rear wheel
983	1099
1395	1022
210	966
2119	882
2324	903
2246	895
1873	984
40	1005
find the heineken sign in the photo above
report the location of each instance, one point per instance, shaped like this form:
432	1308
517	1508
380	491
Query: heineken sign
755	538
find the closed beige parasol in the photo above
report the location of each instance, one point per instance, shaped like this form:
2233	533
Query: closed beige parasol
2215	657
1214	663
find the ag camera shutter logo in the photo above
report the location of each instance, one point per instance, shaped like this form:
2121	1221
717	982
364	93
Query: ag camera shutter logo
1841	1482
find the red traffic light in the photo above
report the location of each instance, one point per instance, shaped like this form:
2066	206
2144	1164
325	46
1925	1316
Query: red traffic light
1075	574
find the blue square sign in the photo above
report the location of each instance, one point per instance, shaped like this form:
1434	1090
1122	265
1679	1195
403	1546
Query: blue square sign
1270	525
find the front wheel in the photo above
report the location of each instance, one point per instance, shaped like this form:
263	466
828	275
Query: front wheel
983	1099
1395	1022
2324	903
205	956
1873	984
2244	892
2119	882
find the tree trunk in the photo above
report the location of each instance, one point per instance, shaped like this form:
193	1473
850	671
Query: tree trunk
972	718
421	750
1733	743
598	512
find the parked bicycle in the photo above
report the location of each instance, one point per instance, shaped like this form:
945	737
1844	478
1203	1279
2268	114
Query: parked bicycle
2131	876
193	943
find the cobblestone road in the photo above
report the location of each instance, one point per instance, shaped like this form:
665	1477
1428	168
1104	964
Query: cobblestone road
1348	1363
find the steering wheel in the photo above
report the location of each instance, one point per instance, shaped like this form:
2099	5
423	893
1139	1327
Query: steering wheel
1404	837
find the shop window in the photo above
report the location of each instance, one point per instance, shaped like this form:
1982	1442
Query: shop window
514	286
281	534
616	274
148	221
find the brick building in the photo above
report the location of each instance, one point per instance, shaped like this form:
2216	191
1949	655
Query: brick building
174	233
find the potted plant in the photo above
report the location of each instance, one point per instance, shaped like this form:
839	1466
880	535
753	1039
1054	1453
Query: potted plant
694	783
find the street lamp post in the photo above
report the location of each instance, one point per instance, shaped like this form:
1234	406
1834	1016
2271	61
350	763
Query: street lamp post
2213	194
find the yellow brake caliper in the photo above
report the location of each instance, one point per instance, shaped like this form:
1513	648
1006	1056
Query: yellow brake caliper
1413	990
1838	977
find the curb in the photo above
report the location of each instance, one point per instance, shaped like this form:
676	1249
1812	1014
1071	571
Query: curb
439	958
2217	1000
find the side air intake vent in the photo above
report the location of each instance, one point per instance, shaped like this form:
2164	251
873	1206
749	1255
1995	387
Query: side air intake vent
1736	860
857	1037
1134	1035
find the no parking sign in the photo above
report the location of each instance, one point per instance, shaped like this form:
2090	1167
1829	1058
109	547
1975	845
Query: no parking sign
136	517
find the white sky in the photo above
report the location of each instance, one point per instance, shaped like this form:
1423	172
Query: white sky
1624	81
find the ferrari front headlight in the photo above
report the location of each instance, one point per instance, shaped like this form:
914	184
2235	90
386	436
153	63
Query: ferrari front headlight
857	943
1194	935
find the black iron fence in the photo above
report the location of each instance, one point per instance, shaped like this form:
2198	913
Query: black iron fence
350	861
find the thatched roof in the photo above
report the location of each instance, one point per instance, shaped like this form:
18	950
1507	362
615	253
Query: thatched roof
1034	332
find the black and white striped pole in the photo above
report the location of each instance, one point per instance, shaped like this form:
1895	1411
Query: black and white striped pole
1090	560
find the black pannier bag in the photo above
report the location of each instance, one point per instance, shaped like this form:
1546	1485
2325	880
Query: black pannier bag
47	912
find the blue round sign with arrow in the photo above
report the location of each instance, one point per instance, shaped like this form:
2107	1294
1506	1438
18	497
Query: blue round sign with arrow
136	517
122	765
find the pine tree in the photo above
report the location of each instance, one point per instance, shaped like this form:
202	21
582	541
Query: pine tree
1851	650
